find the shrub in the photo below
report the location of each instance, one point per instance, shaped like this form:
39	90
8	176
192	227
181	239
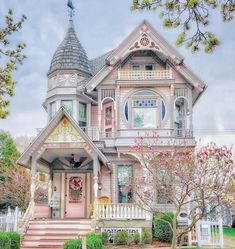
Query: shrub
94	241
105	238
146	236
5	241
15	240
73	244
161	228
121	238
136	237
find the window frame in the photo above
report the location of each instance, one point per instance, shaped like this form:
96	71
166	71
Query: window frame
51	114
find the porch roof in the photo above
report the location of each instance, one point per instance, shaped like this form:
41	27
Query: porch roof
39	141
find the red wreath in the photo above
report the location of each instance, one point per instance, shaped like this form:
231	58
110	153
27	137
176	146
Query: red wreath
75	183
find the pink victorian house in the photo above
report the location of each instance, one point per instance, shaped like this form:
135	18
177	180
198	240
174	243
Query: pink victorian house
95	110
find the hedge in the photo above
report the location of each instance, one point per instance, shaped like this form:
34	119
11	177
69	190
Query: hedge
73	244
121	238
93	240
5	241
15	239
161	228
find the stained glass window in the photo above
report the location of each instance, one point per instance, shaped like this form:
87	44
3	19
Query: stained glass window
82	114
163	110
126	111
125	176
145	103
68	106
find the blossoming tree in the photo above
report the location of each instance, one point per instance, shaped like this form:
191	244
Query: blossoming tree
186	177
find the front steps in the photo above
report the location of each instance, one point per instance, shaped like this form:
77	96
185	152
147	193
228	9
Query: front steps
53	233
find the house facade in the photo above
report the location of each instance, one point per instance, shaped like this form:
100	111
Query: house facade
95	110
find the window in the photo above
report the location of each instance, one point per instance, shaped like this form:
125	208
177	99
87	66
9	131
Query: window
68	106
52	110
82	114
143	109
177	121
125	175
136	67
108	115
149	67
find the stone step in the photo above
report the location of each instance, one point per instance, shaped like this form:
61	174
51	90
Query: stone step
58	243
57	232
81	221
61	226
50	236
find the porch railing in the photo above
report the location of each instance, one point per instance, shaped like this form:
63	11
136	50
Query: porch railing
121	211
144	75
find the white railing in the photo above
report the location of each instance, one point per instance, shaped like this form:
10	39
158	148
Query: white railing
144	75
9	221
121	211
26	218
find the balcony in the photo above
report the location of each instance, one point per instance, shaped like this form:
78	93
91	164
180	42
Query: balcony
144	75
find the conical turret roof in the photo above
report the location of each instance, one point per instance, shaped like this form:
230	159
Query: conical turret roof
70	54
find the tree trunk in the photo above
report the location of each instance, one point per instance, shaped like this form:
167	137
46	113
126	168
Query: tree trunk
174	226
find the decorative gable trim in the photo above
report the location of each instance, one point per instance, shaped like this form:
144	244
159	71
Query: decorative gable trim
50	135
64	133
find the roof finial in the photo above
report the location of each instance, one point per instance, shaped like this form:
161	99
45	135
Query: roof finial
71	9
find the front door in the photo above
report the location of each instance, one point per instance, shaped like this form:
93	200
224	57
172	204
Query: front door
75	196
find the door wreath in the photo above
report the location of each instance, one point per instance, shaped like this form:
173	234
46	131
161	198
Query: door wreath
75	189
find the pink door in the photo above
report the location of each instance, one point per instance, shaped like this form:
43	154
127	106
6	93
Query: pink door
75	196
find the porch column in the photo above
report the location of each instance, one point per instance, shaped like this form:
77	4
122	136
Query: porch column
96	186
33	182
50	188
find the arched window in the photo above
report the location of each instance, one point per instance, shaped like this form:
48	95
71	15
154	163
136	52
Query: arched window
145	109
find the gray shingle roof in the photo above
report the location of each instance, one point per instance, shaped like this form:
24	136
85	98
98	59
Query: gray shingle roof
70	54
96	64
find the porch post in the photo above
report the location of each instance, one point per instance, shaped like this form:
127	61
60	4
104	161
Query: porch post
50	188
96	186
33	182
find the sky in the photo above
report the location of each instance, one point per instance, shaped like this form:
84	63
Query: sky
101	25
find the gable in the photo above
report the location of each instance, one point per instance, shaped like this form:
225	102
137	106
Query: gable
64	132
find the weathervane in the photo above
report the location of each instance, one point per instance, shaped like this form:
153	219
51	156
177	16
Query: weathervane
71	9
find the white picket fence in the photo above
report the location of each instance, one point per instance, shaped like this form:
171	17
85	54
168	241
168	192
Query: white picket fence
9	221
207	233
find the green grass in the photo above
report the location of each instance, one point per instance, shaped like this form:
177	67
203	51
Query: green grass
229	232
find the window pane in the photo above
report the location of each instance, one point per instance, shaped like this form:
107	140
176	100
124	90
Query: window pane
82	114
68	106
145	117
52	110
149	67
125	175
108	115
126	111
163	110
136	67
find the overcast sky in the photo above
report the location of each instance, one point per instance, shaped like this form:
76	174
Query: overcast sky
101	25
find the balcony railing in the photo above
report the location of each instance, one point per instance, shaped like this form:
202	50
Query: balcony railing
144	75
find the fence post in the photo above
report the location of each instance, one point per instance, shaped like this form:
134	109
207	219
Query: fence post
221	232
16	217
8	219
